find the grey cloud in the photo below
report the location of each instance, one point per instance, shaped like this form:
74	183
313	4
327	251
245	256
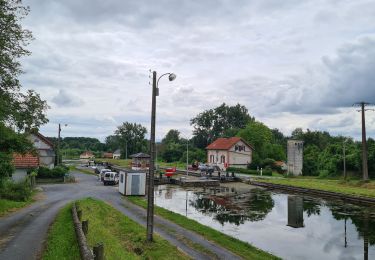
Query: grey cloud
65	99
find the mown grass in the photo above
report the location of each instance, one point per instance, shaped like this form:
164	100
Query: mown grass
85	171
119	162
8	206
351	187
122	237
61	240
242	249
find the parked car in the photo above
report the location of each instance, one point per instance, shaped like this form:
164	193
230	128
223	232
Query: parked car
102	172
205	167
111	178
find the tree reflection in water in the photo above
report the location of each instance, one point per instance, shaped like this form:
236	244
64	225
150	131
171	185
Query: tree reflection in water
235	208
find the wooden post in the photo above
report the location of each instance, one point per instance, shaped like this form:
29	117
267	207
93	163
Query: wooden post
85	227
79	214
98	251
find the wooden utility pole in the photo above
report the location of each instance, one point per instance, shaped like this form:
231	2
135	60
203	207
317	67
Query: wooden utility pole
150	192
58	145
344	159
364	143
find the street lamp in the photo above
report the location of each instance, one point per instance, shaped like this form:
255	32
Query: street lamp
150	192
58	144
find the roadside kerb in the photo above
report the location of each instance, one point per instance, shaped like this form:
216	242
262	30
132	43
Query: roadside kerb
322	193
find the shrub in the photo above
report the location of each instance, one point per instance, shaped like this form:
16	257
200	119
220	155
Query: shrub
57	172
18	191
265	172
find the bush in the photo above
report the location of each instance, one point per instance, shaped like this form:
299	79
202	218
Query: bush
57	172
17	191
265	172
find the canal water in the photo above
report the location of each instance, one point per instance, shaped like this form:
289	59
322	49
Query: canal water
289	226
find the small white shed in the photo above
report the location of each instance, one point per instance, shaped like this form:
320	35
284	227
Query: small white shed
132	183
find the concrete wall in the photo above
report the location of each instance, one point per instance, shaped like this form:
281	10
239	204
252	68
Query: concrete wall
295	157
19	174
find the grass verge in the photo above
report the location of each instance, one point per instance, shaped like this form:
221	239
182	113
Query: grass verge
352	187
243	249
85	171
122	237
9	206
119	162
61	241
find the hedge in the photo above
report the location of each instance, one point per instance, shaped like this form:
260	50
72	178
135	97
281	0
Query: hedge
57	172
265	172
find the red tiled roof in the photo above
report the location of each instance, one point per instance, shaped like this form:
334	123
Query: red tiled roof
225	143
279	163
25	161
87	154
107	155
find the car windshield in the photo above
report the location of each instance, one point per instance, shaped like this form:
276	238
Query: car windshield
107	175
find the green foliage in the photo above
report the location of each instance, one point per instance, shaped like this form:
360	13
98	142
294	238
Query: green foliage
57	172
17	191
265	172
173	136
195	154
217	122
131	138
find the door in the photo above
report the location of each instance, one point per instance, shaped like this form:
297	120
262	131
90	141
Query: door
135	184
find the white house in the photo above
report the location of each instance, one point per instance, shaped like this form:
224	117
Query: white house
117	154
229	152
86	155
45	156
45	150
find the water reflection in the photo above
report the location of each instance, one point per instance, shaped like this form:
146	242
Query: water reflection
277	222
295	211
234	208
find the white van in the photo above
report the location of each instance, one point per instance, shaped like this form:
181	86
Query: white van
102	172
110	178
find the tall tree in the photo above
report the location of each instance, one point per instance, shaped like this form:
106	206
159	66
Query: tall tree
173	136
218	122
132	138
18	110
25	111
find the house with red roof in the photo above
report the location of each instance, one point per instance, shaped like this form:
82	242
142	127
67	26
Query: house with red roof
44	156
23	163
229	152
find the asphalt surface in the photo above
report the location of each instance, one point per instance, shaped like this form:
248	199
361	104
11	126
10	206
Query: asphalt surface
22	234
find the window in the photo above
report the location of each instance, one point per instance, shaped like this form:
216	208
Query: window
212	158
122	178
222	159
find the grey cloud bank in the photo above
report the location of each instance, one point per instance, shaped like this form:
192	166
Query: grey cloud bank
292	63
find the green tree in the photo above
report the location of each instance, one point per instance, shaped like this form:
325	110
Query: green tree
20	110
258	135
132	138
218	122
173	136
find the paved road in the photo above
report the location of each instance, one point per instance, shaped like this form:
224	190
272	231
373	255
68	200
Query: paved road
22	233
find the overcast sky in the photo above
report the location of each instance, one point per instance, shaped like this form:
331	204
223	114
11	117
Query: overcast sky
292	63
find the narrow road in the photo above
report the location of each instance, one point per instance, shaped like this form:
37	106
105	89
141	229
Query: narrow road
22	233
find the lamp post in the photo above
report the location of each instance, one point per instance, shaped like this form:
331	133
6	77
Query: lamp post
187	157
150	192
58	144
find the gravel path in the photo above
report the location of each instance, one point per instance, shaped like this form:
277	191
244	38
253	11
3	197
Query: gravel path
22	233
